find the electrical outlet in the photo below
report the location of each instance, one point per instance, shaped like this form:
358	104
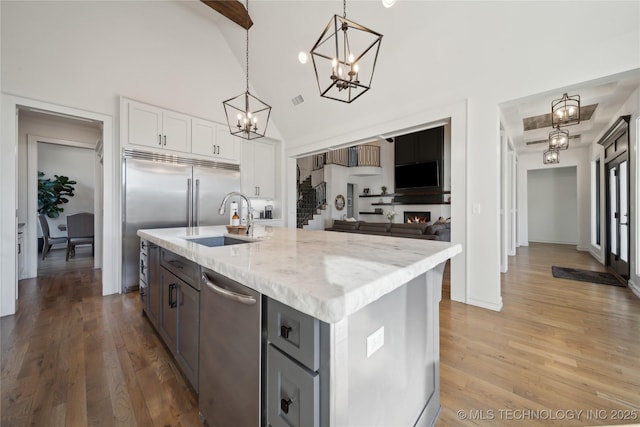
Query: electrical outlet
375	341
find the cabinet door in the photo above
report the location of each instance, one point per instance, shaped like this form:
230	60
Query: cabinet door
188	332
176	131
169	320
228	145
203	137
145	125
264	167
258	169
293	393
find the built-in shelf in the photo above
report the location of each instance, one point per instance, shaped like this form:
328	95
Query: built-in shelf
420	193
408	203
370	213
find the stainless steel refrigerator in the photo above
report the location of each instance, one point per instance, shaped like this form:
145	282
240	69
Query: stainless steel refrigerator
162	191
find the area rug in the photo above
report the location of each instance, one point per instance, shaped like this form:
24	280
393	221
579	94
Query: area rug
585	276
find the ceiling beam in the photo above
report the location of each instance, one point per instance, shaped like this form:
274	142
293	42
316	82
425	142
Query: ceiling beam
232	9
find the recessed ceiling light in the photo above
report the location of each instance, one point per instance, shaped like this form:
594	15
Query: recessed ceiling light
302	57
388	3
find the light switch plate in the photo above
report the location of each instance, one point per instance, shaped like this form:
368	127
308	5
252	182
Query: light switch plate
375	341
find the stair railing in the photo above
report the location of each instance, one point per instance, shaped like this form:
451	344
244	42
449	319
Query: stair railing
310	201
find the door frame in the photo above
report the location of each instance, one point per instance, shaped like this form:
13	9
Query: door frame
616	146
616	162
111	266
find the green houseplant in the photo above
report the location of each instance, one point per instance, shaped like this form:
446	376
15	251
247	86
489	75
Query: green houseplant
52	193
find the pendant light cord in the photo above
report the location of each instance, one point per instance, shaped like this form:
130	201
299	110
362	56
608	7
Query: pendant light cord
344	9
247	50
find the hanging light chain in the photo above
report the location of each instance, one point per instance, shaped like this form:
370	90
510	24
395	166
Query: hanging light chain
344	9
247	49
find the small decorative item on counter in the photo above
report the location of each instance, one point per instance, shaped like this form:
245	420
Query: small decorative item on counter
235	219
384	189
365	191
390	215
236	229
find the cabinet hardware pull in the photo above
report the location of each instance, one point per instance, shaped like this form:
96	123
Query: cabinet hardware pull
172	302
159	139
141	266
284	331
165	140
285	404
241	298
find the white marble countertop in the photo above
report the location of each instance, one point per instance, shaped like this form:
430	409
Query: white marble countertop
328	275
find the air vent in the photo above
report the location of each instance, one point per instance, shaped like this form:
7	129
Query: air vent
297	100
540	141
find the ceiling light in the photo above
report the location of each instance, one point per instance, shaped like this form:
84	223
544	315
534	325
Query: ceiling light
344	58
565	111
551	157
247	116
558	139
302	57
388	3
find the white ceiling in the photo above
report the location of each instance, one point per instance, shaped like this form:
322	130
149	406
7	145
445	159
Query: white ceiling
408	53
609	93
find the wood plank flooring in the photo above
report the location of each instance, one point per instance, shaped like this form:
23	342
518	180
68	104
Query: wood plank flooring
557	347
71	357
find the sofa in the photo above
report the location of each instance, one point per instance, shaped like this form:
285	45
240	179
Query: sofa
426	231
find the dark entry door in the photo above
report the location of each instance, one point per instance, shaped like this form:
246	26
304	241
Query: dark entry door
618	215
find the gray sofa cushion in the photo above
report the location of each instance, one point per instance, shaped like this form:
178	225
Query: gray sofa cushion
340	225
374	227
414	229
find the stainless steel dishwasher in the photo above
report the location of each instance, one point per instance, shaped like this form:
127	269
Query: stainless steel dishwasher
230	348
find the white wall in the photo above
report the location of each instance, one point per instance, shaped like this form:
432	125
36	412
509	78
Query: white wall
79	165
578	158
553	205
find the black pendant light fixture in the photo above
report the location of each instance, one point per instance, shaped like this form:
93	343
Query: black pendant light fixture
551	157
558	139
565	111
344	58
247	116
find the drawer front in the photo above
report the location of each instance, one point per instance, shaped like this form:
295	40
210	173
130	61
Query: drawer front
295	333
293	393
181	267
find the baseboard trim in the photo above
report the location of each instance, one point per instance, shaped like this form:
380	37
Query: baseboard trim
489	305
634	288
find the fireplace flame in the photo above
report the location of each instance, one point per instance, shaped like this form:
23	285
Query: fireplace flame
416	220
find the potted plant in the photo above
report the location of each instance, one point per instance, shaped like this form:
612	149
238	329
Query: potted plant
52	193
384	189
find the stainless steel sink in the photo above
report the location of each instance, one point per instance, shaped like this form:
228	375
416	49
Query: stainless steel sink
214	241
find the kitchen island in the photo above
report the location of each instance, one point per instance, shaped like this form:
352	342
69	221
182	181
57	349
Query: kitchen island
350	322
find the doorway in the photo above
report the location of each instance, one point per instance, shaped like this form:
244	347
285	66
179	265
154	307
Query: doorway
617	196
617	173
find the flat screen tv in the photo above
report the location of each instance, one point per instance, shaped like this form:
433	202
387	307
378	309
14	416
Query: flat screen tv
417	176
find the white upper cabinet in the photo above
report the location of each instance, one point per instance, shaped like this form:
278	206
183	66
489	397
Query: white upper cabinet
214	140
258	169
154	127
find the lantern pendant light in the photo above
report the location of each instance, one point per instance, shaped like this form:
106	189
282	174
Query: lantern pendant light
247	116
565	111
559	139
344	58
551	157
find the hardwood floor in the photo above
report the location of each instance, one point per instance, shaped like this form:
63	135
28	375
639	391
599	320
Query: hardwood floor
557	347
55	262
72	357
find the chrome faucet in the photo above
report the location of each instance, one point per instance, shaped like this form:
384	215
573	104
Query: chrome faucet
250	213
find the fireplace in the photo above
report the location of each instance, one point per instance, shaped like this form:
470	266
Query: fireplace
416	216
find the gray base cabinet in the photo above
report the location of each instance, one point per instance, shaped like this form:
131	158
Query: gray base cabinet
172	304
